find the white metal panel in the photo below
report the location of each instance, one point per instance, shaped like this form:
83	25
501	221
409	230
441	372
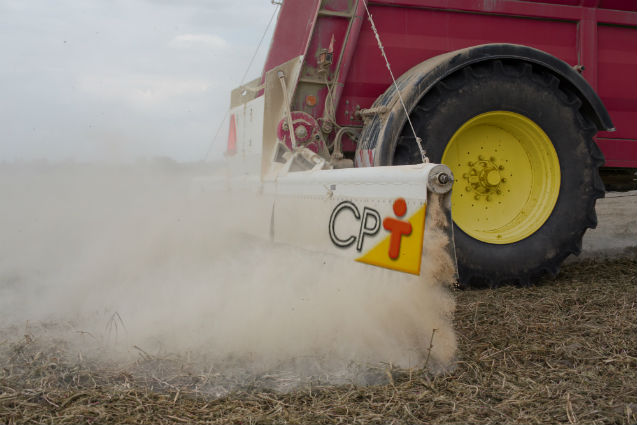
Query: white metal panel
253	127
374	183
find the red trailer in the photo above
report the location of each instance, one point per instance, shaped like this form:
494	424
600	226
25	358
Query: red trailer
523	100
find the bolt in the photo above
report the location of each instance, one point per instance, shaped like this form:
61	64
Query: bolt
470	163
443	178
501	167
504	180
477	197
301	132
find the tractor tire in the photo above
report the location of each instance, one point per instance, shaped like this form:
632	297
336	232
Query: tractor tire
525	167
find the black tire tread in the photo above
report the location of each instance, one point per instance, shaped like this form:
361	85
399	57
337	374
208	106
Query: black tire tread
454	84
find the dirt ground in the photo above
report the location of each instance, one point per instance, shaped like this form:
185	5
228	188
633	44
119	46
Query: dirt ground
560	352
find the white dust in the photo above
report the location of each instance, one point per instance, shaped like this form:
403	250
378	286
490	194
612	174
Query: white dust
128	255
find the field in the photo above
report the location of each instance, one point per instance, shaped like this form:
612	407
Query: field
563	351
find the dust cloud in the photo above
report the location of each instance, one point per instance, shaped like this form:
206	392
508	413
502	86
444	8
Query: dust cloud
130	262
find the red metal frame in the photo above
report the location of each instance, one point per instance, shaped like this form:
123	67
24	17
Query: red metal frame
292	33
600	35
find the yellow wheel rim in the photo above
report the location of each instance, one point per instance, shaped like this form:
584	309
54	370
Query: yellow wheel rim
507	177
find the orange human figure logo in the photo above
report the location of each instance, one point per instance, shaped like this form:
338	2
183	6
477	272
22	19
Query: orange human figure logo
398	228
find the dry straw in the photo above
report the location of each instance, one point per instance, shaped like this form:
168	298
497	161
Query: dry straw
563	351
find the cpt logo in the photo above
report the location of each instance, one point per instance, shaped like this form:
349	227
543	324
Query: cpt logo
400	250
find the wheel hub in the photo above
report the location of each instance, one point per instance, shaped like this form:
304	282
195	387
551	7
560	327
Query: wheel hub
484	178
510	173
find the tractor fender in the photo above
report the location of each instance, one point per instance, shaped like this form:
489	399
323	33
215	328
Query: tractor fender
385	119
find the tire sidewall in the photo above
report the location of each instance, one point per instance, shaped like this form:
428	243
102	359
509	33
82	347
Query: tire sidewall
544	104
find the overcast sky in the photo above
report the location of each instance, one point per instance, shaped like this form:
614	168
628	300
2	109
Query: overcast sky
123	79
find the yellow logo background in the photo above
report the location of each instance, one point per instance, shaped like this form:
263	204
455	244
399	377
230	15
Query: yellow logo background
410	256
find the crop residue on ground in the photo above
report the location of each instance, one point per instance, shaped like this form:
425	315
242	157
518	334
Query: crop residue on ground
560	352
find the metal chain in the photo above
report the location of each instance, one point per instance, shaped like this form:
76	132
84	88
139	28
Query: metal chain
423	153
